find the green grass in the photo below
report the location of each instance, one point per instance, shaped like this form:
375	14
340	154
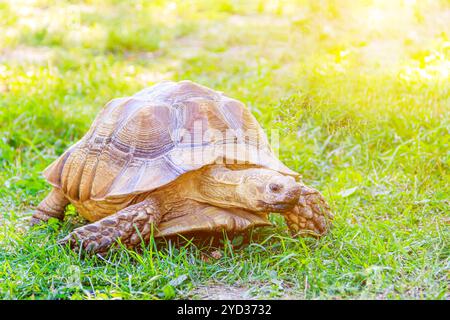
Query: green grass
359	93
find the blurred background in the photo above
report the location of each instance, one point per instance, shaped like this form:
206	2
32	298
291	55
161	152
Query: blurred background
299	65
358	89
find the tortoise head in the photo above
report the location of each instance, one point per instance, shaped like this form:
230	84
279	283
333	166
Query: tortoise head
254	189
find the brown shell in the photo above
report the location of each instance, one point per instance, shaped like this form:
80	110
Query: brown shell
136	144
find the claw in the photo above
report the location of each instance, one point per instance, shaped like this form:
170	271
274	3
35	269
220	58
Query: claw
35	221
66	241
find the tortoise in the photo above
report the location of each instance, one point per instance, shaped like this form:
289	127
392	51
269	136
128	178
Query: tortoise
138	172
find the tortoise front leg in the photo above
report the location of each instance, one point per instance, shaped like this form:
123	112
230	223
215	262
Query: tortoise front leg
51	207
311	216
128	225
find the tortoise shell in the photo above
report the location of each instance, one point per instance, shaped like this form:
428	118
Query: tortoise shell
143	142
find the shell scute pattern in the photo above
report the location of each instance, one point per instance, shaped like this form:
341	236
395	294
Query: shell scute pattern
148	137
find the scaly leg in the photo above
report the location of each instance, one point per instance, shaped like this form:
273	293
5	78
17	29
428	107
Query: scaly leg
311	216
51	207
128	225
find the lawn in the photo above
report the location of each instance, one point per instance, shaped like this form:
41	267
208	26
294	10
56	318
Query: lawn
359	92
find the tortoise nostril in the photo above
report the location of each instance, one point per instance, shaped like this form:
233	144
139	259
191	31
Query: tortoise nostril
275	187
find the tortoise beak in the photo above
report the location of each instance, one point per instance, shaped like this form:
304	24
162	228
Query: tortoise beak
292	194
275	207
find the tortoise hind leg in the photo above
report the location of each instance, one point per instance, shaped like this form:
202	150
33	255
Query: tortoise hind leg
52	206
311	216
127	225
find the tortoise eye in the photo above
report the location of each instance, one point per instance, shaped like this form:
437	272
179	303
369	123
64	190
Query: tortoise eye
275	187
